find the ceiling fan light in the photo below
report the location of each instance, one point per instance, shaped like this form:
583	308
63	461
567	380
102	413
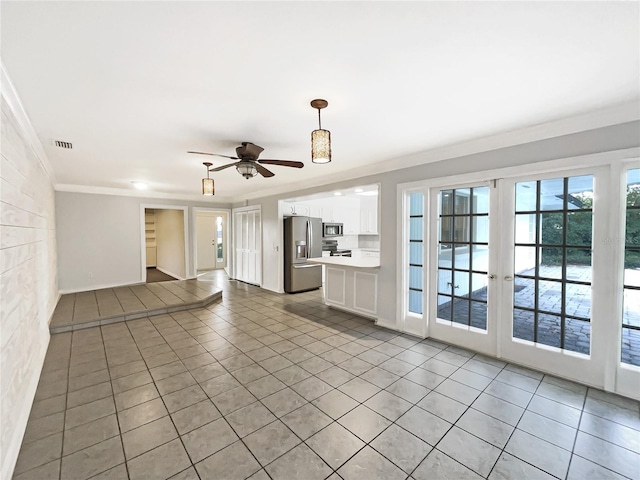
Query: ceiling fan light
321	146
247	169
208	187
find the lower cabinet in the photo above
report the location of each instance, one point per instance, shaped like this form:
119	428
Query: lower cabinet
352	289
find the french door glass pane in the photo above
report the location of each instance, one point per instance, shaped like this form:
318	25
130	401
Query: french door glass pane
552	282
463	252
415	267
630	353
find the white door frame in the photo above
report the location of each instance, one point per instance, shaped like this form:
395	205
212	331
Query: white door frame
143	241
227	233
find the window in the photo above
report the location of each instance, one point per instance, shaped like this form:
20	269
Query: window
631	284
416	229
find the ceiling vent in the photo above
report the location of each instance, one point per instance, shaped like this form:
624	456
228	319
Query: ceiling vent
61	144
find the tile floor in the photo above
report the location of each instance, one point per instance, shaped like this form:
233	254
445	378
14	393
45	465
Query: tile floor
278	386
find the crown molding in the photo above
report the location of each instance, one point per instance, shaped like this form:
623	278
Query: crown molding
12	99
623	113
122	192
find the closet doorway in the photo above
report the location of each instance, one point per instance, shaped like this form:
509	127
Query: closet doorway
164	243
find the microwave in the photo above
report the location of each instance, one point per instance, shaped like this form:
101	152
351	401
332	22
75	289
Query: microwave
332	230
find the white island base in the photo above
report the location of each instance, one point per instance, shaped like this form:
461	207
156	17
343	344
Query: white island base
351	284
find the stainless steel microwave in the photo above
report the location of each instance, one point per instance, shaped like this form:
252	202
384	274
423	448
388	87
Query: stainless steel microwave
332	230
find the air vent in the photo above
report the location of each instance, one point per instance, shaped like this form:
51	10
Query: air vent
61	144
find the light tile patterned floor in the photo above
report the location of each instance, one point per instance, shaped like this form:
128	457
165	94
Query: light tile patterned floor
278	386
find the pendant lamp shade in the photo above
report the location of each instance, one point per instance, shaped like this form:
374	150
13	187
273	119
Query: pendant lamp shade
320	139
208	187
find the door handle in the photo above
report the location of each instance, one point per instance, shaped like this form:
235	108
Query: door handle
307	266
491	276
508	278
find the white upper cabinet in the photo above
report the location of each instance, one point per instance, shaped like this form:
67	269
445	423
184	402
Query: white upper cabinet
369	215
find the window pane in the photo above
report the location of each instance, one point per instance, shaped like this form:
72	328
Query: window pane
444	256
461	231
479	285
551	262
578	301
415	228
446	202
632	268
524	292
632	237
445	281
525	228
480	257
460	283
552	194
460	311
523	321
481	200
416	202
462	201
631	315
415	301
526	193
549	330
579	264
444	307
525	261
479	315
551	228
630	350
461	259
550	296
580	192
480	229
415	277
577	335
446	230
415	253
579	228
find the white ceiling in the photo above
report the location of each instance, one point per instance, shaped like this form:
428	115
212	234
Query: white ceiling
135	85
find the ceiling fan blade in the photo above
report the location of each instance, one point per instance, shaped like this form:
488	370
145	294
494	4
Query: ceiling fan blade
215	155
217	169
284	163
263	171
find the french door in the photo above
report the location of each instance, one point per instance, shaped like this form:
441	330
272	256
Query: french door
511	271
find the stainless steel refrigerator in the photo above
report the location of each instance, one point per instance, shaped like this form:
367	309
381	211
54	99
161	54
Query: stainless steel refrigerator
302	240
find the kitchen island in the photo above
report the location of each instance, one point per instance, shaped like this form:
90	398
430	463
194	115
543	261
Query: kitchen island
351	284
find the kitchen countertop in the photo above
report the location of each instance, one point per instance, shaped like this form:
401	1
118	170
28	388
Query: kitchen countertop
366	262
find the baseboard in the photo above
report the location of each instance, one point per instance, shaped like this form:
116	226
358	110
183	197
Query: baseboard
98	287
171	274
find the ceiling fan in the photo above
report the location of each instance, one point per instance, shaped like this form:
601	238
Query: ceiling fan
248	165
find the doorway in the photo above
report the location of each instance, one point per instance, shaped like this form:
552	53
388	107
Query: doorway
212	243
164	243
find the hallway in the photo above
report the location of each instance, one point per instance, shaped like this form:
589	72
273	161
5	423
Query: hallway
264	385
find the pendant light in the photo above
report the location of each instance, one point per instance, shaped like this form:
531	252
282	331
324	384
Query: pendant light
320	139
208	187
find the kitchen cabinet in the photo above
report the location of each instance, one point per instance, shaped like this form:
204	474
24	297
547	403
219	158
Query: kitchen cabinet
369	215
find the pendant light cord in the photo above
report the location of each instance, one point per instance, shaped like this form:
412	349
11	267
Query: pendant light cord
319	121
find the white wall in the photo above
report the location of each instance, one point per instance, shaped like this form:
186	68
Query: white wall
170	242
99	242
28	276
604	139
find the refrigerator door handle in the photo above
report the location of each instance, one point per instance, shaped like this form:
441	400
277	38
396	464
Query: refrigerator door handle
309	238
307	266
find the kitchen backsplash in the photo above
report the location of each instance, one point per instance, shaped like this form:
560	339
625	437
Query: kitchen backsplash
359	241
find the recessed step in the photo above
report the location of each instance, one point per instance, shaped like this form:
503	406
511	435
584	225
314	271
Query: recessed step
93	308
